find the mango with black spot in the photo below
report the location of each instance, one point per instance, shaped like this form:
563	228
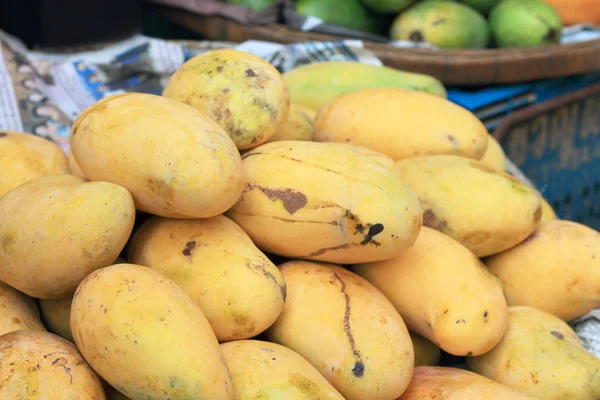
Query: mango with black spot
242	92
443	293
175	161
401	123
25	157
264	370
41	365
56	229
325	202
17	311
563	259
345	328
541	355
486	210
146	337
239	290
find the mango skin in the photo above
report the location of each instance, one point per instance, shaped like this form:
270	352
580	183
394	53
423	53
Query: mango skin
443	293
41	365
56	314
314	85
239	290
541	355
242	92
485	210
175	161
17	311
24	157
364	349
494	156
146	337
426	353
263	370
561	257
324	202
300	125
74	168
401	123
375	155
56	229
442	383
548	213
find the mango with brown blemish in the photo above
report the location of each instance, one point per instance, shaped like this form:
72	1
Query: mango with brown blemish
17	311
494	156
443	383
426	353
24	157
73	166
56	229
146	337
300	125
541	355
41	365
242	92
563	259
175	161
443	293
263	370
325	202
486	210
402	123
239	290
345	328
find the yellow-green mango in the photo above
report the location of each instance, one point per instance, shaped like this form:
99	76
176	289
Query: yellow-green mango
426	353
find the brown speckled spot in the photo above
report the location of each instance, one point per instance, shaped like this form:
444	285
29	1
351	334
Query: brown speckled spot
537	216
189	246
557	334
416	36
15	320
220	68
3	134
291	199
250	73
431	220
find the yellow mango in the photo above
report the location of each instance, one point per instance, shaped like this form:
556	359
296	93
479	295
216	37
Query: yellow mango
541	355
325	202
56	229
494	156
346	329
56	314
486	210
548	213
314	85
242	92
239	290
443	293
563	259
377	156
402	124
17	311
300	125
73	166
426	353
40	365
24	157
442	383
175	161
146	337
263	370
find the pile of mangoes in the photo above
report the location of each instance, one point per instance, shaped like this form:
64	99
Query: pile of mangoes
223	242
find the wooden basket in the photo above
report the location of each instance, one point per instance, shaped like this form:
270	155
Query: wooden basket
453	67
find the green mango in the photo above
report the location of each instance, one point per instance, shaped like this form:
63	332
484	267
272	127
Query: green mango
388	6
525	23
346	13
445	24
255	5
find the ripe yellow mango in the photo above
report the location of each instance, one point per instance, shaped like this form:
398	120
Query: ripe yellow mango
239	290
426	353
347	329
486	210
402	123
300	125
443	293
314	85
263	370
377	156
494	156
56	229
17	311
146	337
24	157
40	365
325	202
541	355
175	161
242	92
442	383
563	259
73	166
